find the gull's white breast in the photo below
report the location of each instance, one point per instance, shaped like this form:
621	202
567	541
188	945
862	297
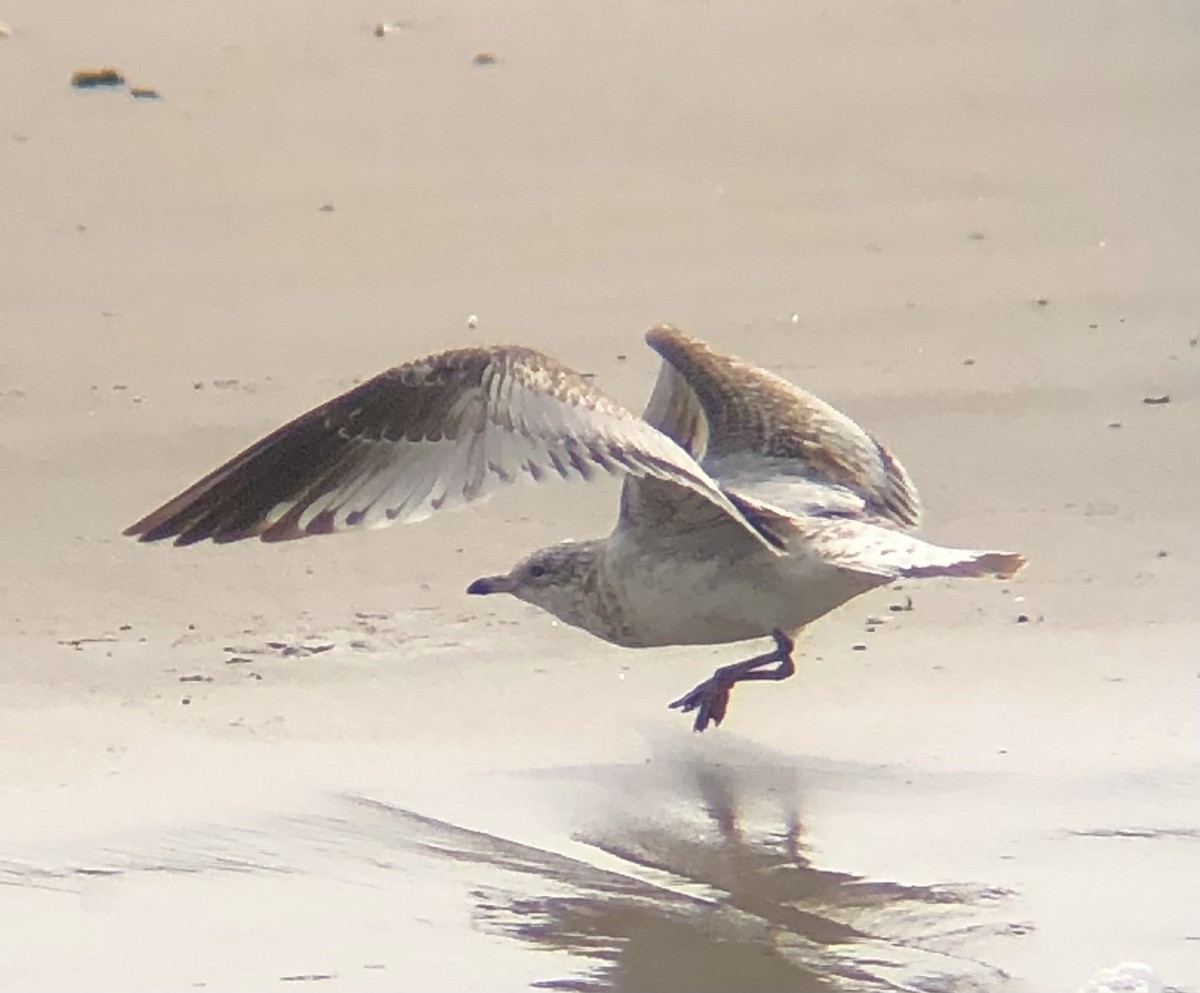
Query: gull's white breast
692	594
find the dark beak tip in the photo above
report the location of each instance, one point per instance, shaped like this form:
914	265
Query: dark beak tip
480	587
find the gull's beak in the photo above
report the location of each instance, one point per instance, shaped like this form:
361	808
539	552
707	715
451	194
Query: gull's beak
492	584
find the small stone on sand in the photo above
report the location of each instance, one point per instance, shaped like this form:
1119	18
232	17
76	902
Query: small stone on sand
87	79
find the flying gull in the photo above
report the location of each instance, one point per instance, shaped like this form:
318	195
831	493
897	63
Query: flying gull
749	507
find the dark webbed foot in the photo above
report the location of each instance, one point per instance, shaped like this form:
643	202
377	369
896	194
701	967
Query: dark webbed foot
710	699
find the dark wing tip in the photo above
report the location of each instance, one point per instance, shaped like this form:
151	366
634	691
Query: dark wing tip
153	527
196	515
264	491
899	496
236	501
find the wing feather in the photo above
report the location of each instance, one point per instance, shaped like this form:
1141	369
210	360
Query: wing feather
763	437
432	433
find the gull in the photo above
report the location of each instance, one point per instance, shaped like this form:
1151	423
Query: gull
749	508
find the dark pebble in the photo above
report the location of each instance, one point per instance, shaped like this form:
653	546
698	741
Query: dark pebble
87	79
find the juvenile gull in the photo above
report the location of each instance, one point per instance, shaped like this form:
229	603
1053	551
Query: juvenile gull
749	507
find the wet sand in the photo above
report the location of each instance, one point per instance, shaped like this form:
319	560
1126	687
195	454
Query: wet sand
970	225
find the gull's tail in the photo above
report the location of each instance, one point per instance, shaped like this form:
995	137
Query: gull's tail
968	563
888	554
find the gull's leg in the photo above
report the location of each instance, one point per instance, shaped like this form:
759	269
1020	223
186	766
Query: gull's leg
710	699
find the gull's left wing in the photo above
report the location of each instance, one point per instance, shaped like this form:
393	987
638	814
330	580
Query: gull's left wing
431	433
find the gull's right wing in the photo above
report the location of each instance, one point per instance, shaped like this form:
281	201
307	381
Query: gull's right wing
762	437
447	429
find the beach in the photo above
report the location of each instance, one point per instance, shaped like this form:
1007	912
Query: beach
971	226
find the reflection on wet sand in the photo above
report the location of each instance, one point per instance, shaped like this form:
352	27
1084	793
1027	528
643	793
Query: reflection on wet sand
691	876
717	898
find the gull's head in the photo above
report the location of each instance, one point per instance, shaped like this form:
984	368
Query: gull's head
559	579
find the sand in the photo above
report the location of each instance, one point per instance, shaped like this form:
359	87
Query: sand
972	225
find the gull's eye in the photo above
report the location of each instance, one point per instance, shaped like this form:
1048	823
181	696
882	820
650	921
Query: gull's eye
537	571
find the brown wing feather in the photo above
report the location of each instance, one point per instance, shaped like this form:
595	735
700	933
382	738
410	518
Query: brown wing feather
442	430
764	436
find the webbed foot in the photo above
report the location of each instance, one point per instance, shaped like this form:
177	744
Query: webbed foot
710	699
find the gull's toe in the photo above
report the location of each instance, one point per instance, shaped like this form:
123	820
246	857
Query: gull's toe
710	700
